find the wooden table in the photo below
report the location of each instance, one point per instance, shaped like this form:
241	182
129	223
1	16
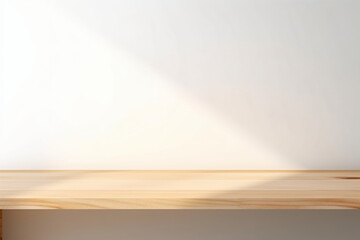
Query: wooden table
179	190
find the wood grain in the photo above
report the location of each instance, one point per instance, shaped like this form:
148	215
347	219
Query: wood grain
179	189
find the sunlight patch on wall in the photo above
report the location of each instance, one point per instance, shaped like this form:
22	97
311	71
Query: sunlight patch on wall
81	102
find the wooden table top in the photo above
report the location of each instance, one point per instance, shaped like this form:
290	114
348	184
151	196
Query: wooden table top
179	189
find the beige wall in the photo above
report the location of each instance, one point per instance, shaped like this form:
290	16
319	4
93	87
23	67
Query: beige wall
179	225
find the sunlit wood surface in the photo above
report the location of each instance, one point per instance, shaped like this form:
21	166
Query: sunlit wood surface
179	189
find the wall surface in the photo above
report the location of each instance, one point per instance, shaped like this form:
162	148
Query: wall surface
180	84
180	225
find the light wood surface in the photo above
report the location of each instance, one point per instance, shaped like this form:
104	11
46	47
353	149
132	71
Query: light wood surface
179	189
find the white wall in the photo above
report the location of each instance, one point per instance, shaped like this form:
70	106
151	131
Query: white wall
180	84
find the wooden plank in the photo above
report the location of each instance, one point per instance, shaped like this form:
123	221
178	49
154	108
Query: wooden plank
180	189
